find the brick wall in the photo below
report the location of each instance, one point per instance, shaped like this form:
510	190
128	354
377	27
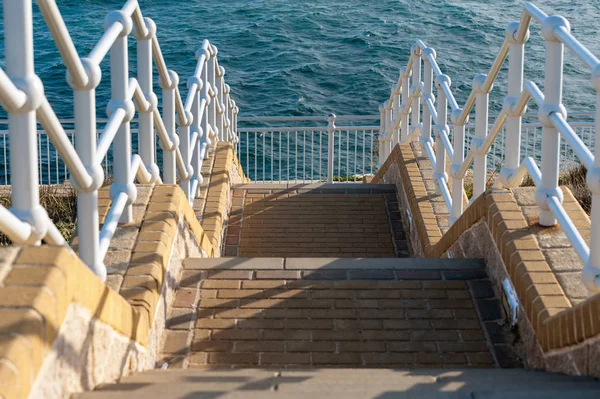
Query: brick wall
560	331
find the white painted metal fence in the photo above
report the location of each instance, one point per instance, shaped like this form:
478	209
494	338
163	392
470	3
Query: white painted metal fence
338	148
299	154
206	115
403	120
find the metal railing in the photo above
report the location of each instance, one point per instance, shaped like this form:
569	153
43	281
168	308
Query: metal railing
206	115
304	154
403	121
265	157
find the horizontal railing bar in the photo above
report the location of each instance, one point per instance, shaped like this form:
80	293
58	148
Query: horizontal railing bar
304	118
66	48
577	48
346	117
311	129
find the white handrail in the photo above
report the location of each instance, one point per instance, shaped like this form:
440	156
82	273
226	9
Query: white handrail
398	110
128	96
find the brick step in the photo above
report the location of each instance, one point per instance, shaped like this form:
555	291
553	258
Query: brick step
334	219
410	264
316	312
322	188
348	383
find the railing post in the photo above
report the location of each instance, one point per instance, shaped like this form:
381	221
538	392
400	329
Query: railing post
330	146
196	129
591	270
206	140
553	81
395	133
441	128
228	114
214	92
414	89
146	135
221	114
405	106
381	155
168	88
481	130
512	149
427	95
459	157
119	84
88	235
184	149
388	128
22	122
235	111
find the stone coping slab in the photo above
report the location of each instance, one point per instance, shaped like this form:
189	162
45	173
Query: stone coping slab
234	263
353	187
384	263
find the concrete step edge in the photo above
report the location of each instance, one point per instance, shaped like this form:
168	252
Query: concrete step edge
238	263
354	187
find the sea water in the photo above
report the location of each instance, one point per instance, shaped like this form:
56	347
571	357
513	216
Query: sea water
313	57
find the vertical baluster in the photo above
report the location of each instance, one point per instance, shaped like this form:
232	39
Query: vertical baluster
512	149
220	73
381	158
553	81
427	95
227	118
481	130
168	85
441	128
146	135
396	116
404	106
119	84
591	270
204	113
196	131
22	124
347	153
212	112
356	150
416	101
459	156
330	146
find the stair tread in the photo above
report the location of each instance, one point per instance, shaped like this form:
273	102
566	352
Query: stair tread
267	263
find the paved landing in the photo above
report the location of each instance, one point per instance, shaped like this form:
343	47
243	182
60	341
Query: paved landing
350	384
288	313
352	220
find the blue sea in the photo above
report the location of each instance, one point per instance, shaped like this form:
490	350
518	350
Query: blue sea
313	57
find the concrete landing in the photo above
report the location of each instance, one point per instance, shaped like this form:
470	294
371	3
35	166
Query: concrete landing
349	383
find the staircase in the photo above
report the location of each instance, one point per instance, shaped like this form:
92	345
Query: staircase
279	320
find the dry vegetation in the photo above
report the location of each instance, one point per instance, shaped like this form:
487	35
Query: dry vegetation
574	178
61	204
